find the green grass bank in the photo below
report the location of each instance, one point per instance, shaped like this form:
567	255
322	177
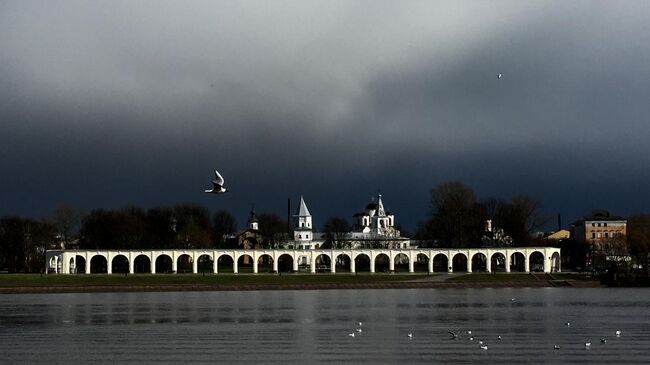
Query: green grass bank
35	283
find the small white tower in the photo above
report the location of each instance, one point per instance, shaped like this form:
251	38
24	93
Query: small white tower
380	221
303	230
253	223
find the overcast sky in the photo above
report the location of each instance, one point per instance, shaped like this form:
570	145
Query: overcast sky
110	103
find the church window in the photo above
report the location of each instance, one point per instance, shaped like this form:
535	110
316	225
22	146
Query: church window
300	236
306	236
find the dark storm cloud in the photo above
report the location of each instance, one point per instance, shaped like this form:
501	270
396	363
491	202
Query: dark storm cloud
109	103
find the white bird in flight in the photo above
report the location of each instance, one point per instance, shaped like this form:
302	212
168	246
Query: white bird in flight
499	76
217	184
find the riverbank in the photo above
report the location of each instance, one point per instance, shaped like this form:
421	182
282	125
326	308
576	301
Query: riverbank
25	283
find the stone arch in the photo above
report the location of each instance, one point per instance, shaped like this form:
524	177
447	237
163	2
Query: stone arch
517	262
479	262
184	263
142	264
440	263
265	263
164	264
285	263
120	264
98	264
361	262
245	263
53	264
204	263
536	261
225	264
459	262
71	266
382	263
80	264
303	263
323	263
401	263
498	262
555	262
342	263
421	263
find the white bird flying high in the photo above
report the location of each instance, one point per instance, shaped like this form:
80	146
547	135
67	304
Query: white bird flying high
217	184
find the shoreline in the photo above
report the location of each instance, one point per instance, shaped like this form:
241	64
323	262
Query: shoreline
306	286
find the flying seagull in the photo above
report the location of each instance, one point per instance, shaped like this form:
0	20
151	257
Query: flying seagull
217	184
499	76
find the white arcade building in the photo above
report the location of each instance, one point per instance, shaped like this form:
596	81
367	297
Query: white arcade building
374	227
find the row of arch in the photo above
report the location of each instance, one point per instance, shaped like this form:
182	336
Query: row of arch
245	263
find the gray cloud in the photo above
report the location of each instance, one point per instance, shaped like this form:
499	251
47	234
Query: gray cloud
108	103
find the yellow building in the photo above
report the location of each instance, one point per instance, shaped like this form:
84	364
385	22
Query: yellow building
597	227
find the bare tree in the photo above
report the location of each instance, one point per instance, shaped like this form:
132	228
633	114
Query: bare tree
523	217
456	218
638	237
67	221
223	224
336	230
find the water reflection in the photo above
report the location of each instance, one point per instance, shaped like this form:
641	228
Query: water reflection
313	326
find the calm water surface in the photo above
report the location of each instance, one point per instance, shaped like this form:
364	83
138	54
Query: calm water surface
307	327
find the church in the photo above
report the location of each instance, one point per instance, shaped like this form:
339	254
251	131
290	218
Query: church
374	227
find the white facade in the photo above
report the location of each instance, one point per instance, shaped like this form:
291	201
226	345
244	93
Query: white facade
374	226
65	261
303	233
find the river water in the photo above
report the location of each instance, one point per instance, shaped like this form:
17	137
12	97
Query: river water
306	327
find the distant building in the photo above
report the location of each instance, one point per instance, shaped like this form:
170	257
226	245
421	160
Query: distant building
598	226
591	235
494	236
250	238
562	234
373	227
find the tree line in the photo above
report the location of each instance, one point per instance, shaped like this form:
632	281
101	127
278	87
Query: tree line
23	241
457	218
